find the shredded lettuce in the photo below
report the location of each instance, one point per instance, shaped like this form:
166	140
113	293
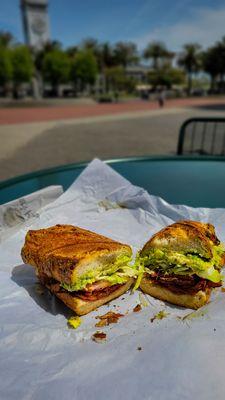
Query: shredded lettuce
173	262
116	273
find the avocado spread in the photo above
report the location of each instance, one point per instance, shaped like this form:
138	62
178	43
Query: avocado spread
116	273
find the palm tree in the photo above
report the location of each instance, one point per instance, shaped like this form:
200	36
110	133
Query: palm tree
158	52
190	60
211	62
107	56
125	53
6	39
92	45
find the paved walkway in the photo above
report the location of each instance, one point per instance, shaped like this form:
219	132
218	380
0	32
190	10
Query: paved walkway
56	113
27	147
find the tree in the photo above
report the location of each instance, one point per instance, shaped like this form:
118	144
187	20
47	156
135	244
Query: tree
117	80
211	61
56	68
125	53
166	76
5	68
6	39
22	67
107	56
91	44
84	69
47	48
219	58
71	51
190	60
115	77
158	52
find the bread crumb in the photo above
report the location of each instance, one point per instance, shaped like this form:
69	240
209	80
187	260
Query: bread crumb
99	337
137	308
74	322
108	318
160	315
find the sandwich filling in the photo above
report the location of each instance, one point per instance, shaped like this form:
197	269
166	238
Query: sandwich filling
183	272
103	279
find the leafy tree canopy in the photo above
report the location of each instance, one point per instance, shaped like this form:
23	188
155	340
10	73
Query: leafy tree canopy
166	76
158	53
56	67
22	64
84	67
5	66
125	53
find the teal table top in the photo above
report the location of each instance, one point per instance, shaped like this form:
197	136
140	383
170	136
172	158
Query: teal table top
195	181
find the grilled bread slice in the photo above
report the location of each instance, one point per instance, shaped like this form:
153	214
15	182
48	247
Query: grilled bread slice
82	306
193	301
184	236
65	252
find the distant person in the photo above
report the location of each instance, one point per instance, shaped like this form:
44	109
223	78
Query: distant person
161	98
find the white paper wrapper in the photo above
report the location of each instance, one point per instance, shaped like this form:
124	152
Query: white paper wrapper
172	358
25	210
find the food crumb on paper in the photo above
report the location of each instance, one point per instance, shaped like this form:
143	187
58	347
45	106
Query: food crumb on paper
137	308
74	322
160	315
143	300
99	337
139	348
223	289
193	315
108	318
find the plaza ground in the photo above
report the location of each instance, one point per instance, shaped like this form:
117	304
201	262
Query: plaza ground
37	138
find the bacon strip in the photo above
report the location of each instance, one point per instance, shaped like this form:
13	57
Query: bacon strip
181	284
96	294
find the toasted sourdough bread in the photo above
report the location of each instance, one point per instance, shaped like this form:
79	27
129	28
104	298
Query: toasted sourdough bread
82	307
184	236
64	252
194	301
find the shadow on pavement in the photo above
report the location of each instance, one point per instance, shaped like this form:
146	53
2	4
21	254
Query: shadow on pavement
210	107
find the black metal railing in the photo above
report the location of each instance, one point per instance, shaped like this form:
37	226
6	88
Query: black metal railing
203	136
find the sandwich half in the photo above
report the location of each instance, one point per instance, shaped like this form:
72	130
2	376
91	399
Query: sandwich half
182	264
82	268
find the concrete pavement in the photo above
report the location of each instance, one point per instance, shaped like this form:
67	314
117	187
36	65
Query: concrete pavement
32	146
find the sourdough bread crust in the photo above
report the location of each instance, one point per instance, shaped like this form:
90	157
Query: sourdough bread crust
194	301
184	235
64	252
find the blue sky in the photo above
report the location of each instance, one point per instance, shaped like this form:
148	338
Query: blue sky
172	21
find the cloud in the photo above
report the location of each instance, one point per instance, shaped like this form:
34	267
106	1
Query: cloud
206	26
